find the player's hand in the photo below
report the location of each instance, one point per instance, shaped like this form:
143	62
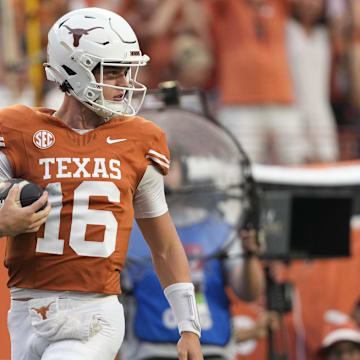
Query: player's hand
189	347
15	219
266	320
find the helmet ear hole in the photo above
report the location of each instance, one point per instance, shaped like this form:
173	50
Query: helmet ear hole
87	62
90	95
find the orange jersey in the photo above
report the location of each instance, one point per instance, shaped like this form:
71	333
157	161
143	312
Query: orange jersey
91	180
251	70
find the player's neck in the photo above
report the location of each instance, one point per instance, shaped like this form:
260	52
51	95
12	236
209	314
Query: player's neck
78	116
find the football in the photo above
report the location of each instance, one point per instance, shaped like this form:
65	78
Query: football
29	191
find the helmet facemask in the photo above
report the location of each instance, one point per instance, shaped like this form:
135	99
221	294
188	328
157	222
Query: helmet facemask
133	97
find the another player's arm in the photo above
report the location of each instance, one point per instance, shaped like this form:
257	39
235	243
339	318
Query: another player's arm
172	268
246	278
15	219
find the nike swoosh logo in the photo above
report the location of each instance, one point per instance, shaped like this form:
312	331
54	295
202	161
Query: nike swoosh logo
113	141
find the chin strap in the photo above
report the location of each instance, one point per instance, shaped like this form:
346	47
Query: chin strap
181	297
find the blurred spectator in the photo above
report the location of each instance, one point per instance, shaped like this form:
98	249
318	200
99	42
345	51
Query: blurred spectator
16	87
250	326
265	320
14	82
254	79
338	14
113	5
354	55
341	338
310	51
176	38
22	94
355	314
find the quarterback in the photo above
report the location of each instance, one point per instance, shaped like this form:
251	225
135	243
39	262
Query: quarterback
101	166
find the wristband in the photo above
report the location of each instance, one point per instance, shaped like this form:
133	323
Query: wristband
181	297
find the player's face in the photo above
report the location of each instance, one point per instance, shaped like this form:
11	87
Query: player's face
115	76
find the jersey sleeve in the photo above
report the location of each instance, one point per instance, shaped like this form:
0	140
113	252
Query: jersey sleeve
5	168
233	258
149	199
11	141
158	153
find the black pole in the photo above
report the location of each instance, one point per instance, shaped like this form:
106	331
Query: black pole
269	292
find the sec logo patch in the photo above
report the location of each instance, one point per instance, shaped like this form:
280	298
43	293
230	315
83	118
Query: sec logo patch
43	139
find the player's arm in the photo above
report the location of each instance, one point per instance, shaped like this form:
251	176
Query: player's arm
172	268
168	254
169	259
15	219
151	213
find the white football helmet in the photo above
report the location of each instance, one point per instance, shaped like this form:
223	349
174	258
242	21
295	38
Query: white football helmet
84	38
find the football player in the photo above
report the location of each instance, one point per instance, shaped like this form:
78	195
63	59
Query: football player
101	166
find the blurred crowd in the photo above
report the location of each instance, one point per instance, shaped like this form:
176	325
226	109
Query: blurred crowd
283	75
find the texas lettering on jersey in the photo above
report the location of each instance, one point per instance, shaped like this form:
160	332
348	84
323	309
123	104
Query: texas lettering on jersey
102	168
91	183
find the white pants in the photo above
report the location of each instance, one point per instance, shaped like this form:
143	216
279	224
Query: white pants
54	329
310	65
268	133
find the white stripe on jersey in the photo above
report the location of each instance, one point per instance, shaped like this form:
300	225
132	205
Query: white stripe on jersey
2	144
161	156
6	171
158	161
